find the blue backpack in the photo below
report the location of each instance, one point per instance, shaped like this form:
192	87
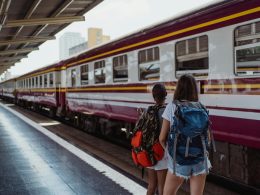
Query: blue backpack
188	137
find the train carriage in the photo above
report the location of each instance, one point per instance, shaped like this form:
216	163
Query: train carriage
8	90
42	89
218	44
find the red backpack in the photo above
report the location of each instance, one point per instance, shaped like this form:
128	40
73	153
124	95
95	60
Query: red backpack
146	149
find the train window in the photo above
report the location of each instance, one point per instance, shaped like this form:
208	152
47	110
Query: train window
51	80
192	56
247	49
33	82
36	81
120	68
100	72
73	77
257	27
149	67
41	81
84	74
45	82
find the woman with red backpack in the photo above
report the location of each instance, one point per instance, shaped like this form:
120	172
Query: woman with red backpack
157	173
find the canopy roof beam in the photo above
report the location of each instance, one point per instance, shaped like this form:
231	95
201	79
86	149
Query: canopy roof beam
3	64
43	21
12	58
30	40
28	15
17	51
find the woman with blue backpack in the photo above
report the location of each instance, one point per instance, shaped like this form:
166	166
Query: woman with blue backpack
184	135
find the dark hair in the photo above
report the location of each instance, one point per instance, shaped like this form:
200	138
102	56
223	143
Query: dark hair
159	92
186	89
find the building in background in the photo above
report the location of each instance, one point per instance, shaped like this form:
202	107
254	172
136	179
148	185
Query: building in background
105	38
68	40
78	48
96	37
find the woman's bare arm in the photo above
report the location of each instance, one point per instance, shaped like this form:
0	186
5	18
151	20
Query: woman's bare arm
164	132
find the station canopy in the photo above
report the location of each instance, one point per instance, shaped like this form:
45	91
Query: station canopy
26	24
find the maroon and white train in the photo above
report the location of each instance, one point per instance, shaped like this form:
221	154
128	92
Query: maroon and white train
102	88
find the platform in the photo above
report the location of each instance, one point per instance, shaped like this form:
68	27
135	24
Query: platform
36	161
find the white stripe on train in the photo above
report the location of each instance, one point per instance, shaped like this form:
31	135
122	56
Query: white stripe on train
217	112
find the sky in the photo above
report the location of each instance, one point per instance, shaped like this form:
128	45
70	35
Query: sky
116	18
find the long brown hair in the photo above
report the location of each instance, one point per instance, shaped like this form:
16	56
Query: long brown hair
186	89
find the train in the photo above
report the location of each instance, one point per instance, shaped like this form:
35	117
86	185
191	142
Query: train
101	88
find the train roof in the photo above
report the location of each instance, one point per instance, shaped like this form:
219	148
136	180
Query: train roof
174	17
205	14
8	80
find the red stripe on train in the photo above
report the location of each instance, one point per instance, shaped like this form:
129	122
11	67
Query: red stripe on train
237	130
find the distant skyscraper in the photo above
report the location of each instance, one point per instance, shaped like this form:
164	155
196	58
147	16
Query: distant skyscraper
96	37
78	48
105	38
68	40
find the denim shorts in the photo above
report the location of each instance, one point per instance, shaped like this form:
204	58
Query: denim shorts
186	171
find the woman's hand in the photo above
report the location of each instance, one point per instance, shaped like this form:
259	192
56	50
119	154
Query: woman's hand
140	111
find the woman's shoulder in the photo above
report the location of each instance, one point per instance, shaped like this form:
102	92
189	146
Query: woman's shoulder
170	106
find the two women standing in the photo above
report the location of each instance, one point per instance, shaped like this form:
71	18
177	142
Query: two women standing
195	170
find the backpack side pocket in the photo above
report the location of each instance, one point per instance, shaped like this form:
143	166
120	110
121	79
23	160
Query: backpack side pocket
143	159
134	157
137	139
158	151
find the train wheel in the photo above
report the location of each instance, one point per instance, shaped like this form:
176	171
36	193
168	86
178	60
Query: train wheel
90	125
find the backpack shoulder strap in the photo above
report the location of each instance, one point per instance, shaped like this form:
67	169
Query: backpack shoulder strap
203	107
176	102
210	136
140	122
